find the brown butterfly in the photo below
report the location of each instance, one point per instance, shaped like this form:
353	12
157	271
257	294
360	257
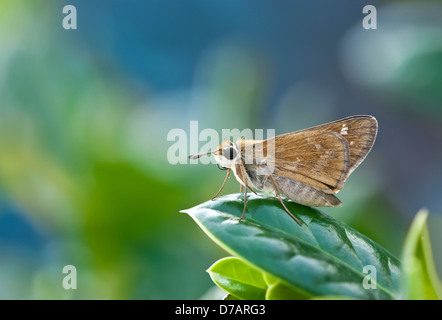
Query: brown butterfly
308	166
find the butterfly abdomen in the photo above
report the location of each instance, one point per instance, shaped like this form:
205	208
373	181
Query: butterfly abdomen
304	194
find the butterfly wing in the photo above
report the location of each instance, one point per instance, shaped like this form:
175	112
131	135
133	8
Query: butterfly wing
360	133
322	156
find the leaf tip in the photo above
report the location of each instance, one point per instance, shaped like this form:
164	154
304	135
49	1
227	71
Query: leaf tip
422	215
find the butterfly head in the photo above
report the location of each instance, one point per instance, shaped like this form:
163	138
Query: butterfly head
226	155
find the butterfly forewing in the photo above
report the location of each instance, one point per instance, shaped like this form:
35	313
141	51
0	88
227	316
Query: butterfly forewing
360	133
321	156
326	154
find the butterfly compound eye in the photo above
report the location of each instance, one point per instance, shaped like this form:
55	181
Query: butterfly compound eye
229	153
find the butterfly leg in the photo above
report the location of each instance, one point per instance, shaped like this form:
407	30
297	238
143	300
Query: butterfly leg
252	190
282	202
245	205
243	173
263	181
224	183
241	187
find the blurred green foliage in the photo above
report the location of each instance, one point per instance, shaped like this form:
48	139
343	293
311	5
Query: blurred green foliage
420	280
64	134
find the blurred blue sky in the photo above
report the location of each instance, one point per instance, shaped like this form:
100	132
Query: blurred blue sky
162	42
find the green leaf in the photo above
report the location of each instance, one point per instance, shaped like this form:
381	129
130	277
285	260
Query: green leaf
280	291
243	281
421	281
238	278
323	257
